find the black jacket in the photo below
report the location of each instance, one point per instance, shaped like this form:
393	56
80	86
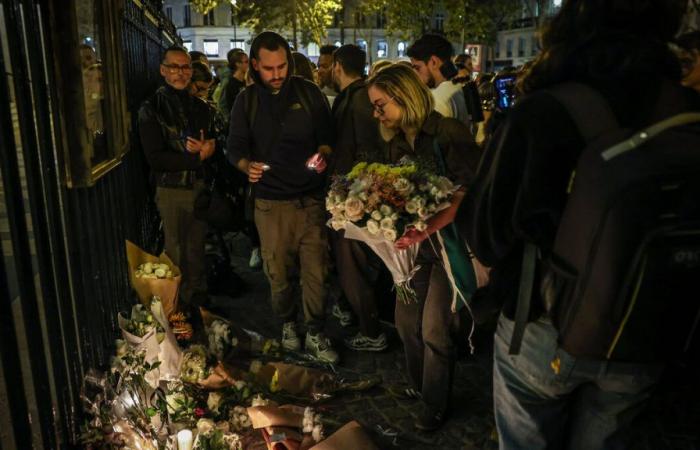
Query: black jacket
357	131
284	134
165	121
459	151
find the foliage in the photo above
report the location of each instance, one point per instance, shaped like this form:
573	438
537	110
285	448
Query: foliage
311	17
405	19
478	21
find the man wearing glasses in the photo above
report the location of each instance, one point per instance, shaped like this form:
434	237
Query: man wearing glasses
176	134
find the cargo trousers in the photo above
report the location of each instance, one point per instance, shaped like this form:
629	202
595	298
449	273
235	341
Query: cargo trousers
291	230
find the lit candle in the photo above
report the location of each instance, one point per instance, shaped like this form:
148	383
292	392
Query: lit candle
184	440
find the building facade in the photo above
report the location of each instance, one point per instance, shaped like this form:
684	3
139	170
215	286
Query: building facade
216	32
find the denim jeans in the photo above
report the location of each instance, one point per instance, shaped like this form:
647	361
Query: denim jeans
545	398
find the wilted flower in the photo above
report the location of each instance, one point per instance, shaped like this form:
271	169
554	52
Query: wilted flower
205	425
255	366
214	401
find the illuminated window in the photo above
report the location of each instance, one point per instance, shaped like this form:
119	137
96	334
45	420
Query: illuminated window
211	47
401	49
187	45
382	49
237	43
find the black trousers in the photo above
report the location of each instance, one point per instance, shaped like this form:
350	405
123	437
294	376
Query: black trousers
354	263
428	328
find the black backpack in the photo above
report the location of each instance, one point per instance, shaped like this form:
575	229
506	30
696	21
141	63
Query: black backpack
621	280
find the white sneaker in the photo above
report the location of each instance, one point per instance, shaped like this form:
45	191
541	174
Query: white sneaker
319	346
255	259
290	338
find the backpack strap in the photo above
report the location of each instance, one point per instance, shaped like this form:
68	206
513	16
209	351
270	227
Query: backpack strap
593	117
643	136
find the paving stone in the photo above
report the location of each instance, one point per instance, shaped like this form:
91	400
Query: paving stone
671	421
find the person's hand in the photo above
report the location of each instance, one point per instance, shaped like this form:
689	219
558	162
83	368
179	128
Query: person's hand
195	145
255	171
208	148
317	163
411	236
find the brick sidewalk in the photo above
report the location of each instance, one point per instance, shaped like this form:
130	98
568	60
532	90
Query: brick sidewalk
671	422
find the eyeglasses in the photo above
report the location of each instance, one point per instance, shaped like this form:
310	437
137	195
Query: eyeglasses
380	108
175	68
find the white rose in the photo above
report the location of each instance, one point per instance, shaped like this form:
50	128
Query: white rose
338	223
420	225
160	273
420	201
394	216
174	401
376	215
213	401
148	268
386	210
354	209
240	385
389	235
363	196
403	186
386	224
411	207
373	227
423	212
205	425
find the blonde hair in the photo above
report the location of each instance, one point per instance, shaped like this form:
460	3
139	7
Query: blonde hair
408	92
379	65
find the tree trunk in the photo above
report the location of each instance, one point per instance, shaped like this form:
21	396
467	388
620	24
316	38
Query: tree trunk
294	25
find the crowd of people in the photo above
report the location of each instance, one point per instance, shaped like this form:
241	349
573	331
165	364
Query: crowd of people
285	127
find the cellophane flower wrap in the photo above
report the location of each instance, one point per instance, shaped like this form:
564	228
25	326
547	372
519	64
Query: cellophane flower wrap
376	203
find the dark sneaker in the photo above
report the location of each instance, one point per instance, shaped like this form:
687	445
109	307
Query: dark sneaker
405	393
362	343
343	316
319	346
290	338
430	419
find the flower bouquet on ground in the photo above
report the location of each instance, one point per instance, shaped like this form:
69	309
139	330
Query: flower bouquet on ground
148	330
153	275
377	203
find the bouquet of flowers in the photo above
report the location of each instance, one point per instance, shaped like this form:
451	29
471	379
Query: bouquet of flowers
147	329
220	338
377	203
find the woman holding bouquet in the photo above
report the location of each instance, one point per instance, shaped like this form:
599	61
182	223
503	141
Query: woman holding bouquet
444	146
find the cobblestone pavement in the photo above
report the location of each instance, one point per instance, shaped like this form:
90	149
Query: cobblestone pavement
671	422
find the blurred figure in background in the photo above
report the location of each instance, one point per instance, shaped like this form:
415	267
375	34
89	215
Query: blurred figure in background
689	58
302	67
325	76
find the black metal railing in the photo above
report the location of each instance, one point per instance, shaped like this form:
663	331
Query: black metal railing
62	257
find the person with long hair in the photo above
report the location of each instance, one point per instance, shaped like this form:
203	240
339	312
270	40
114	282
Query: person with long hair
544	397
427	327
